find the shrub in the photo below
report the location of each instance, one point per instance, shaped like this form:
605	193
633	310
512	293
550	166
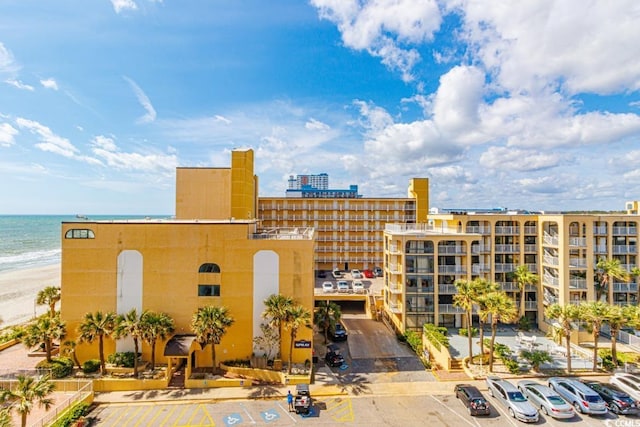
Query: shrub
91	366
123	360
524	324
536	358
607	359
437	335
512	365
463	331
414	340
72	415
60	367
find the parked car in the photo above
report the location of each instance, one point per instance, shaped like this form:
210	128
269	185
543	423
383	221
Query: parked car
583	398
337	274
333	357
327	287
508	394
343	286
302	402
368	274
628	383
549	401
472	399
377	271
338	332
616	399
358	287
356	274
322	274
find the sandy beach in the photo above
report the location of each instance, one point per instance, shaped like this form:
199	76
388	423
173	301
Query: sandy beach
19	289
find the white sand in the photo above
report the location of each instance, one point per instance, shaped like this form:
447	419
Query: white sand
19	289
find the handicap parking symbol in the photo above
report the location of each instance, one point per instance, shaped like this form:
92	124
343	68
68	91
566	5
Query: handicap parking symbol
270	415
233	419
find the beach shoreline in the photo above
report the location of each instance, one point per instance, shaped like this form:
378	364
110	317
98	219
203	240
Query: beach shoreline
19	289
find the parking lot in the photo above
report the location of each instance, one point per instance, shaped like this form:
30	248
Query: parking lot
399	410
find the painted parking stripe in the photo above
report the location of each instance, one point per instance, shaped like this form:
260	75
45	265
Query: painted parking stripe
504	413
141	418
340	409
454	412
202	416
286	411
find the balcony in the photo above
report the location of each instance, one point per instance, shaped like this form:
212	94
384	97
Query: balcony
508	230
447	289
577	242
449	309
395	268
548	279
508	249
395	308
624	249
532	249
480	268
577	262
513	287
600	230
395	289
505	268
452	269
480	249
531	230
625	231
551	240
577	283
551	260
625	287
284	234
600	249
528	305
459	250
471	229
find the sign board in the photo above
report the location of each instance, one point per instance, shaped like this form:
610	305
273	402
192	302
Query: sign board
302	344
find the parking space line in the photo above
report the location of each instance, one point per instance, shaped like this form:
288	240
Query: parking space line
143	416
244	408
504	413
286	411
454	412
132	417
159	411
201	409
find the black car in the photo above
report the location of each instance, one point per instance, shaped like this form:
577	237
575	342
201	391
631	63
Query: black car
378	271
338	333
322	274
472	399
617	400
333	359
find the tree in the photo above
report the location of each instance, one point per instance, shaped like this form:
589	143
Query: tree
296	317
483	287
465	298
69	350
210	324
28	391
156	326
97	325
269	341
524	277
501	308
617	318
565	315
49	296
275	311
594	314
635	273
607	271
326	315
130	325
5	417
536	358
44	330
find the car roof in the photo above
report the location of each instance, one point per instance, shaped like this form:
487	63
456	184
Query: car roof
546	391
577	384
506	385
473	390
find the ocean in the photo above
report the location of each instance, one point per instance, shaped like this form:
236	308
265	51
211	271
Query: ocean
29	241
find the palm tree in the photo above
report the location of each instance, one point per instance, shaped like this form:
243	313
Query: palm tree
97	325
326	315
524	277
296	317
617	318
501	308
156	325
210	323
49	296
465	298
5	417
44	330
69	350
635	273
565	315
594	313
482	287
130	325
28	391
276	308
608	270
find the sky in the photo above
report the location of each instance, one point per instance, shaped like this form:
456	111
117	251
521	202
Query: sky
524	104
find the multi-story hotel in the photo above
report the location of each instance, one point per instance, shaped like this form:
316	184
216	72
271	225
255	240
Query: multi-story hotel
423	261
214	252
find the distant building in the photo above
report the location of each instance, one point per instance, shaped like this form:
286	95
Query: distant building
319	182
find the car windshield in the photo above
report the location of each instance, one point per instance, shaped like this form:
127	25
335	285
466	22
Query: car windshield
626	399
516	396
556	400
593	399
478	402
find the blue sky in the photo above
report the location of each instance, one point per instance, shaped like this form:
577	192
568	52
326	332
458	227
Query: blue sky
522	104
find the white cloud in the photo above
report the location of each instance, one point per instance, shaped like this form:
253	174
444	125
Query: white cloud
106	149
49	141
19	84
384	27
222	119
49	83
150	116
7	62
121	5
7	133
514	159
314	124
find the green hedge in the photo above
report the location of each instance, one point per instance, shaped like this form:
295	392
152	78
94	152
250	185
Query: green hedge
91	366
60	366
72	415
123	360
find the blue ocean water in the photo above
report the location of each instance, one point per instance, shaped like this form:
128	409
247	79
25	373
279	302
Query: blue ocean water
28	241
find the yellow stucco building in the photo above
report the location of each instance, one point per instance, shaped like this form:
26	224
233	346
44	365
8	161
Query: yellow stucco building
214	252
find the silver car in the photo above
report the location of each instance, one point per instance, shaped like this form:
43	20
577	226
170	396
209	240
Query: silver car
549	402
517	405
629	383
583	399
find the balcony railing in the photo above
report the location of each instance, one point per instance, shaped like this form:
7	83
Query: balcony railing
600	249
480	249
579	242
600	230
447	289
452	269
480	268
577	283
548	279
510	249
528	305
284	234
449	309
395	268
505	268
395	289
509	230
625	287
577	262
531	248
451	250
513	287
549	239
625	249
475	229
395	308
625	231
531	229
550	260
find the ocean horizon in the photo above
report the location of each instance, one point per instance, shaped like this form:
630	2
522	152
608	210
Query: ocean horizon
31	241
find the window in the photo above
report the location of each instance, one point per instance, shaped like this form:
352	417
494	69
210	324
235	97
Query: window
209	268
79	233
208	290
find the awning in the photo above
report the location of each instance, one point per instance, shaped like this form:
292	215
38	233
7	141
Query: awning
179	345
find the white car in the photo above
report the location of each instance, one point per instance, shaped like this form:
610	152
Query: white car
343	286
327	287
358	287
549	401
513	400
629	383
356	274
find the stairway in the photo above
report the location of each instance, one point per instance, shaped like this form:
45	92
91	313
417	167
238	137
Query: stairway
177	379
456	365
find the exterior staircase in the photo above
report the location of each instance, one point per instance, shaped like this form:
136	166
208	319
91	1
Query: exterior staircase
456	365
177	379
